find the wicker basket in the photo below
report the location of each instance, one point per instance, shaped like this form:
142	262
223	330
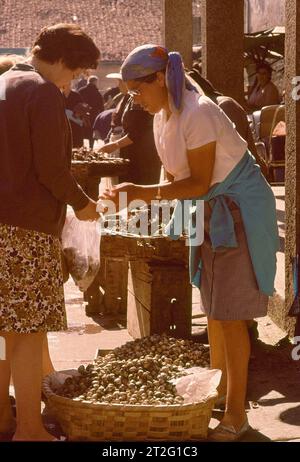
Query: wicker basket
117	422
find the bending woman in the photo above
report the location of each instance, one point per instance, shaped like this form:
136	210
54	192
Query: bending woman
207	159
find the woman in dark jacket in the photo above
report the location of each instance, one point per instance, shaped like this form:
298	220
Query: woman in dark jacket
35	186
136	142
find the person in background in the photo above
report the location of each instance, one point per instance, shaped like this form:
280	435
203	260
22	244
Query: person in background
116	95
36	184
82	82
92	96
110	94
8	61
108	124
72	100
234	111
264	92
206	159
102	125
132	135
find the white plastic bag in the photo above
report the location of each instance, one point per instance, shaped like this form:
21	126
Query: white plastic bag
81	248
198	384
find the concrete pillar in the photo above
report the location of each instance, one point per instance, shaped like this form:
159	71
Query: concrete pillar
292	184
222	45
178	28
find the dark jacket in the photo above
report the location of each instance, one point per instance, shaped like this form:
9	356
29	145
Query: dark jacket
35	153
71	101
91	95
145	164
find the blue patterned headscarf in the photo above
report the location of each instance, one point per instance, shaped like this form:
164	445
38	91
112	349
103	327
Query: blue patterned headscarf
148	59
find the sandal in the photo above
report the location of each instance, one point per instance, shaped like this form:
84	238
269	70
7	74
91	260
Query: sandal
224	433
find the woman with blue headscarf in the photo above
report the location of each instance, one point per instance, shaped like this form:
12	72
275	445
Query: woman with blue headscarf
206	158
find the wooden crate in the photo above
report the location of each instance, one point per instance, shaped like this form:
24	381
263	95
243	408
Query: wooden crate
159	248
144	247
159	299
115	285
114	274
159	268
108	292
113	245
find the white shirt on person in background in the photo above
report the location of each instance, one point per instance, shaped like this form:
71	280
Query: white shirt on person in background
200	122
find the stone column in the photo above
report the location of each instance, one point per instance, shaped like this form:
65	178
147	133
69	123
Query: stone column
178	28
292	184
222	45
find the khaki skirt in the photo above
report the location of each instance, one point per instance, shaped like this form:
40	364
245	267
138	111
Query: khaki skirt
31	285
229	290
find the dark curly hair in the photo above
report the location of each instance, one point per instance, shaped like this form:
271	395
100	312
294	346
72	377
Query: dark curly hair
69	43
265	66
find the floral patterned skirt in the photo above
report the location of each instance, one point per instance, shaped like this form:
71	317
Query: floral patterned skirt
31	284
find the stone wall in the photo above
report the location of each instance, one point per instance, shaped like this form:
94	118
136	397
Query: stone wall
292	149
264	14
177	28
222	45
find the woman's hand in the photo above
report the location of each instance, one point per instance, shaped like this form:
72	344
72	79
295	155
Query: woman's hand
120	203
108	148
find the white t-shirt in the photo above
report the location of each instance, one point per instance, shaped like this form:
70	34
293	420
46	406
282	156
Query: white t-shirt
200	122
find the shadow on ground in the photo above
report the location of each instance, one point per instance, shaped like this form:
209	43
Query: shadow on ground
110	321
272	369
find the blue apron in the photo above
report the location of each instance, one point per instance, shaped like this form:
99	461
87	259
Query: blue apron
247	188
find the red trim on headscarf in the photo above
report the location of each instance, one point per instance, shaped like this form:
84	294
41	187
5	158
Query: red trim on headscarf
159	52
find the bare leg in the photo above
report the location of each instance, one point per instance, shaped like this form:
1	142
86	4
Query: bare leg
237	349
48	367
26	367
7	420
217	353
